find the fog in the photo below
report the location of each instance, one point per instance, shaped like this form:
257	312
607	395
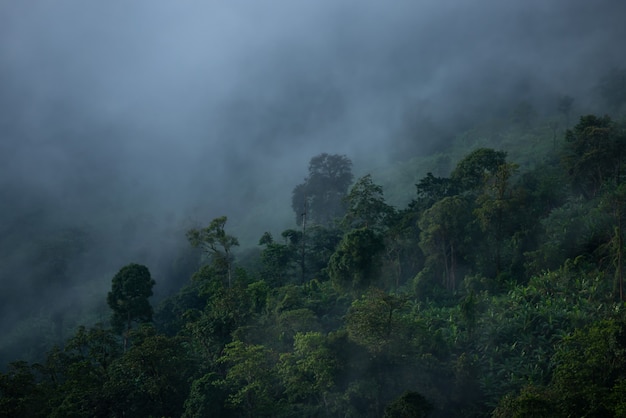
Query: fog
124	122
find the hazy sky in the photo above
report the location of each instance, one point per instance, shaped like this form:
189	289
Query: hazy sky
161	111
183	102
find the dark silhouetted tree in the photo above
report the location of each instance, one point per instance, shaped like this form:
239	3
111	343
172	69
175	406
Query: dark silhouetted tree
128	298
320	199
430	189
409	405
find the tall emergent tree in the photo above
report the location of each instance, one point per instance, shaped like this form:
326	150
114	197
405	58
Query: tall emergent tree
320	199
128	298
216	243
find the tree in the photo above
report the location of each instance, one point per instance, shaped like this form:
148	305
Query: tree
128	298
470	171
374	322
593	154
205	398
320	198
531	402
430	189
321	244
495	205
355	264
443	232
614	202
226	310
589	367
81	370
366	206
249	378
152	377
20	395
279	260
291	322
308	373
216	243
571	230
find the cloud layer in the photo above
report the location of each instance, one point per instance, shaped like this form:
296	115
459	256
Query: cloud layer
155	112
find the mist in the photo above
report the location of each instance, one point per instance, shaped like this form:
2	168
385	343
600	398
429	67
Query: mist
124	123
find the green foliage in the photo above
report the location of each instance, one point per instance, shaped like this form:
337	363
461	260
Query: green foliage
217	244
496	214
170	316
280	260
205	398
211	329
355	264
249	379
81	370
20	396
291	322
308	373
402	258
321	244
442	235
532	402
519	331
614	202
589	364
569	231
594	154
470	172
151	378
374	321
431	189
366	206
128	298
511	311
319	200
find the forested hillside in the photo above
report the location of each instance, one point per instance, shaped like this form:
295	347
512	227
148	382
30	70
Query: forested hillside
498	290
331	208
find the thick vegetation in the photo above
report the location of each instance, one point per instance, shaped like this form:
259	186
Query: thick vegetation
497	291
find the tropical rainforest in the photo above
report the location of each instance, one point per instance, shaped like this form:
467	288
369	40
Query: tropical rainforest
312	209
498	290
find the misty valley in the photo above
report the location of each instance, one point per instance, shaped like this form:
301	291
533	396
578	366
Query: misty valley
497	291
333	209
